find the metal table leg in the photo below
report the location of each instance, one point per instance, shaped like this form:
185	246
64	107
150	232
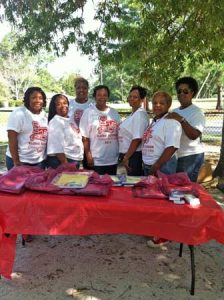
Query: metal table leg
191	247
181	250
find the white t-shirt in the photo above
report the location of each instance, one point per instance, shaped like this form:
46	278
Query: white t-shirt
196	119
76	109
101	128
160	135
32	134
133	127
65	137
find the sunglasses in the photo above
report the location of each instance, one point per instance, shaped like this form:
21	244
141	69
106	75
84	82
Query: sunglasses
185	91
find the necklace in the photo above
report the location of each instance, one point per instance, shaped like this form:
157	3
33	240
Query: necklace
156	121
148	133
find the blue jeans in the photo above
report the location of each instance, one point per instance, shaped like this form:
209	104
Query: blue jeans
53	162
10	164
191	165
168	168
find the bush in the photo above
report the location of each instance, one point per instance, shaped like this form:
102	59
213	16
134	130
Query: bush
12	103
18	102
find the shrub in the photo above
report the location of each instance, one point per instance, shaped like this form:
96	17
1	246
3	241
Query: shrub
18	102
12	103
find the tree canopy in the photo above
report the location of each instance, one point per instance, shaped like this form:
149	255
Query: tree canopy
157	37
19	70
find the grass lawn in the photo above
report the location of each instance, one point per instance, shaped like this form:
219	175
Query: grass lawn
4	118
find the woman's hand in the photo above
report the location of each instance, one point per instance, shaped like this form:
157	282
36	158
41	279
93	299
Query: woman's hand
17	163
154	168
125	163
175	116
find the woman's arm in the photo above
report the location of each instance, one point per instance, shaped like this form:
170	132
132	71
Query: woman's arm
89	158
191	132
166	155
13	147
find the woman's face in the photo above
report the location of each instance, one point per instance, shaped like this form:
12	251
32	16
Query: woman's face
160	106
134	100
36	102
101	99
81	90
61	106
184	95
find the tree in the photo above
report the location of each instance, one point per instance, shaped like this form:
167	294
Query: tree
67	83
21	70
47	82
117	79
15	68
157	37
219	170
50	24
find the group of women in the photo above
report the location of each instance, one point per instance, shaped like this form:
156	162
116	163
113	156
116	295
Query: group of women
81	129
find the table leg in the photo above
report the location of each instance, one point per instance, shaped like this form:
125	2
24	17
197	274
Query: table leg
191	247
23	241
181	249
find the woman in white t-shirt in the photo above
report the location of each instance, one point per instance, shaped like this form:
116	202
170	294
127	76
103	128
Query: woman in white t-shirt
192	120
64	137
131	131
99	126
160	143
27	131
161	139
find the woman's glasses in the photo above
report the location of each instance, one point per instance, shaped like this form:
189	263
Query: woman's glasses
184	91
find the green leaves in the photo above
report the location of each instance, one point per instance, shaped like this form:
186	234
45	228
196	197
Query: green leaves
156	37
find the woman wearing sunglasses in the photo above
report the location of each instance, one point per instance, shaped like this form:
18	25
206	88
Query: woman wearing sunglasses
192	120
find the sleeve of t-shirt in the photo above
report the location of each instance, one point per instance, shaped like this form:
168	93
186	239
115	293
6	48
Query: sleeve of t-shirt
84	123
56	137
173	131
118	118
15	121
139	124
197	120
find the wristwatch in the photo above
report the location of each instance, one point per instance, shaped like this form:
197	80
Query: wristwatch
182	120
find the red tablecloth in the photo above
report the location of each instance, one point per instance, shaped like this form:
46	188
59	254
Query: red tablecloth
48	214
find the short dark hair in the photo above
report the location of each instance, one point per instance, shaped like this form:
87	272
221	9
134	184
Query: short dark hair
81	79
52	106
142	91
190	81
29	92
100	87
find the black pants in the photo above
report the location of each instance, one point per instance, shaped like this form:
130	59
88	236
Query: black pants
134	163
111	169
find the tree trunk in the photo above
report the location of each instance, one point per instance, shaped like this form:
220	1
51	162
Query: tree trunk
219	170
219	99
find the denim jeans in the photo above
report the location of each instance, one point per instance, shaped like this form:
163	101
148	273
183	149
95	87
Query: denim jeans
53	162
168	168
191	165
10	164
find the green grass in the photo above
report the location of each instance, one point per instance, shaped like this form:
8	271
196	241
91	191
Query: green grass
4	118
